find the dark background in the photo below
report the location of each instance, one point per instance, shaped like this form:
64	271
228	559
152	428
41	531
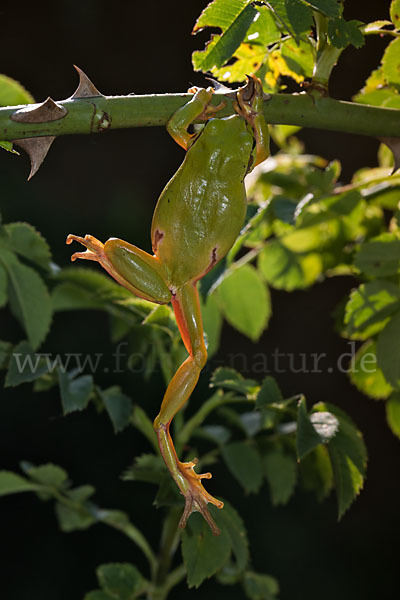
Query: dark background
107	185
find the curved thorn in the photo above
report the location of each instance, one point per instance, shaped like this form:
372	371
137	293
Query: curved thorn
85	89
37	149
44	113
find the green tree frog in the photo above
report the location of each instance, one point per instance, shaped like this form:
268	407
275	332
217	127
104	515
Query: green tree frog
196	221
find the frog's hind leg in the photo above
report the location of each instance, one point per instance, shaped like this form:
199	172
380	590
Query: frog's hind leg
187	310
133	268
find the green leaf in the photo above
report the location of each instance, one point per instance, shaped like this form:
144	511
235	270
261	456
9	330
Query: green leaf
212	322
393	413
98	595
68	296
9	147
391	63
245	301
281	473
379	257
263	31
48	474
349	458
24	365
269	393
118	406
141	421
232	380
387	351
230	522
299	57
316	472
366	375
330	8
11	483
75	393
147	467
203	554
26	241
295	16
341	33
260	587
395	13
28	297
244	462
70	519
3	286
369	308
79	514
307	438
5	349
122	581
234	18
288	270
13	93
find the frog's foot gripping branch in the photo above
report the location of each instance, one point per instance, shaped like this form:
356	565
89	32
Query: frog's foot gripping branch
249	104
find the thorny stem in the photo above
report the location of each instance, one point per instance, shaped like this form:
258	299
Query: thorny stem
100	113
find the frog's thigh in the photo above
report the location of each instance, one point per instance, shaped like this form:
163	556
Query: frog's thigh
137	270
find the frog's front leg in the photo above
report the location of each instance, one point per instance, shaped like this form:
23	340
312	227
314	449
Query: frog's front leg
199	108
185	302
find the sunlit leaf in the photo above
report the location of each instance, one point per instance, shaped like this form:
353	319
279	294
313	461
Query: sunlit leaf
387	351
233	17
395	13
393	413
212	322
366	375
13	93
391	63
245	301
369	308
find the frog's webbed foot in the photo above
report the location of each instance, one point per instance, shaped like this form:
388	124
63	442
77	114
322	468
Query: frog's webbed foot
94	248
196	497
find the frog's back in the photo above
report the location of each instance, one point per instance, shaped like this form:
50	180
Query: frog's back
201	210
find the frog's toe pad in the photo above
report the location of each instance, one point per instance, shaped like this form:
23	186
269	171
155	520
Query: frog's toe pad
197	498
94	248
